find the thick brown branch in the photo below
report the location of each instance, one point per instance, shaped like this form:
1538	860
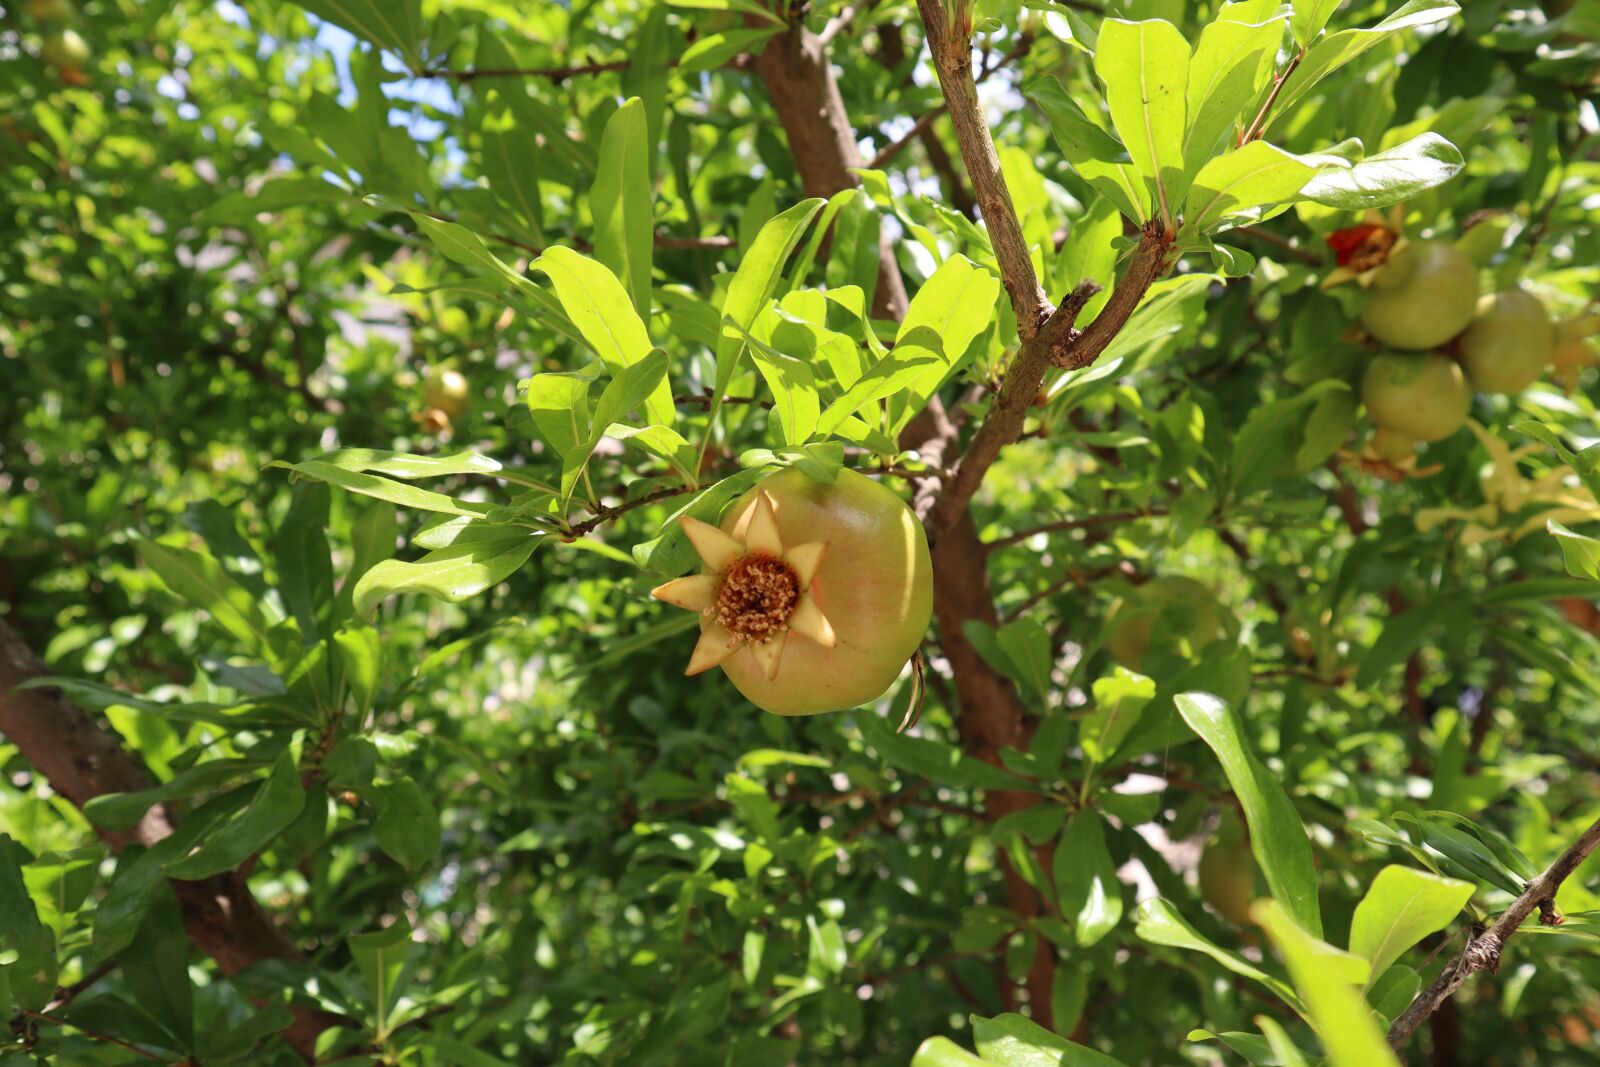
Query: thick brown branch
951	47
1483	952
794	67
1058	343
83	761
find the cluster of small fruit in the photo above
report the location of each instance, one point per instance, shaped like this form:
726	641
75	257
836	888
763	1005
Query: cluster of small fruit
62	47
1443	340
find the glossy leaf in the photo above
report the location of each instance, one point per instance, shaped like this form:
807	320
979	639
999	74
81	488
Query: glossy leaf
1145	69
1091	895
619	200
1328	981
1402	906
1277	837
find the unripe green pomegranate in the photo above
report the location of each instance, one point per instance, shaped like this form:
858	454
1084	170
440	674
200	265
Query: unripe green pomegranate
60	11
1228	877
446	390
1188	612
67	51
1425	295
1412	398
813	596
1509	344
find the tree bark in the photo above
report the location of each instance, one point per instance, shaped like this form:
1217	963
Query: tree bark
82	760
804	93
794	67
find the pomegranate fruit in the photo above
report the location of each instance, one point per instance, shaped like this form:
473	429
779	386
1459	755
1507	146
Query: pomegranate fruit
1425	295
67	51
446	390
1509	344
1414	398
813	596
1228	875
1189	614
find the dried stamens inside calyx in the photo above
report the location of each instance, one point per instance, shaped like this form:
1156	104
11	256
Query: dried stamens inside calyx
756	597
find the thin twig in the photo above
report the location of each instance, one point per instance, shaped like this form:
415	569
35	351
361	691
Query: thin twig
70	993
605	515
1483	952
1279	241
1259	126
96	1034
1075	524
841	22
555	74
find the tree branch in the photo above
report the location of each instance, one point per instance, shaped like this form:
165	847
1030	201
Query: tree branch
951	47
1101	519
83	761
1483	952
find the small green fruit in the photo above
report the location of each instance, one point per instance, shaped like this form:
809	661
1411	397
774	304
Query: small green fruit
1425	295
1510	344
1415	397
446	390
1228	879
1188	611
67	51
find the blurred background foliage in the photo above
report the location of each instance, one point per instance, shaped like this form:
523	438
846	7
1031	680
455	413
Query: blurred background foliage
635	868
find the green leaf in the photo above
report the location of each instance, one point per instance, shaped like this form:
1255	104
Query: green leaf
272	807
1232	63
600	308
716	49
956	304
405	465
392	24
748	7
406	826
1310	16
793	385
942	1052
1015	1041
201	581
1289	1055
1237	182
1389	177
511	163
1091	895
1579	552
1327	980
1335	50
1255	1050
1402	906
122	811
394	492
1586	462
754	283
1277	837
29	976
1159	923
1078	136
381	957
449	574
305	567
1145	69
1269	443
156	966
1120	699
893	373
619	200
1027	649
